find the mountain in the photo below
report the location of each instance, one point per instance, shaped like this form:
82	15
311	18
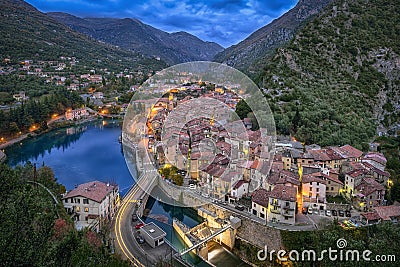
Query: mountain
134	35
338	80
250	54
27	33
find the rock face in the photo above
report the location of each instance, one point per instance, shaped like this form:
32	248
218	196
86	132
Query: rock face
250	54
134	35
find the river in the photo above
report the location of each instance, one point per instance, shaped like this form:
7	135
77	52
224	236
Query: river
92	152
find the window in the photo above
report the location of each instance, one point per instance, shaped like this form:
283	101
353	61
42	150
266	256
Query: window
317	183
86	218
370	197
332	188
85	201
254	205
66	200
286	218
317	189
78	209
86	209
254	212
262	215
287	204
329	182
77	200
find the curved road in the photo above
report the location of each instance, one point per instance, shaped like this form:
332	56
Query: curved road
125	242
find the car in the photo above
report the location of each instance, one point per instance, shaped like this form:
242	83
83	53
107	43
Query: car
139	239
334	213
341	213
348	213
353	222
316	212
139	225
192	186
239	207
328	213
310	211
341	224
304	210
134	217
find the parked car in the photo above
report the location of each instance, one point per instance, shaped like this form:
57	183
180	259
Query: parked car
239	207
134	217
139	239
353	222
328	213
310	211
341	213
316	212
348	213
139	225
334	213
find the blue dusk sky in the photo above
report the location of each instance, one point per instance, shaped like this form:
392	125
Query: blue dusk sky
226	22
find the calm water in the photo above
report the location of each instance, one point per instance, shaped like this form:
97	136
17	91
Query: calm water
218	255
78	154
92	152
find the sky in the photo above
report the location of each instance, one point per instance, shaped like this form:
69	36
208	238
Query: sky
226	22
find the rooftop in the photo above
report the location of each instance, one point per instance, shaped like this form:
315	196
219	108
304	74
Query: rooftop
95	191
152	230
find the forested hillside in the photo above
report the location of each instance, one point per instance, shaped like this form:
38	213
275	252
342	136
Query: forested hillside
337	82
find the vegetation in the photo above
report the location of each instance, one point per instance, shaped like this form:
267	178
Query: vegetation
380	239
34	231
30	34
324	86
390	147
33	114
171	172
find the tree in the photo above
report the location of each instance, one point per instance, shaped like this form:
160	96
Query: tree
242	109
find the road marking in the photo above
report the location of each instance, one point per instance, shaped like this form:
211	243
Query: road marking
118	232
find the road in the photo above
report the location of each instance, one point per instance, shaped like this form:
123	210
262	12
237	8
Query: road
125	243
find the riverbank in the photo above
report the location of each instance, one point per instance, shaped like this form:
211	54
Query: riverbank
54	126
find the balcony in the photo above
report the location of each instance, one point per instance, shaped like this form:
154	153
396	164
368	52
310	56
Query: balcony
288	208
275	204
277	211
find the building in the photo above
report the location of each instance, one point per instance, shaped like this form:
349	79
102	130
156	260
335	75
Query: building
282	204
259	203
314	192
369	194
352	179
76	114
91	203
383	213
153	234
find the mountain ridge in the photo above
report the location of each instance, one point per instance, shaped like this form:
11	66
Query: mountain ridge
250	54
132	34
48	40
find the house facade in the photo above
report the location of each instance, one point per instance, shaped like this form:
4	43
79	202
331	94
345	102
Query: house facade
91	203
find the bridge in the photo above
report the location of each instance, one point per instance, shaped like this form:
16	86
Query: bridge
205	240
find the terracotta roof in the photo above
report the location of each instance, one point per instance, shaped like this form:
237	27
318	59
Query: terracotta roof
350	152
319	155
370	216
261	197
357	173
378	157
312	178
368	186
95	191
283	192
239	184
386	212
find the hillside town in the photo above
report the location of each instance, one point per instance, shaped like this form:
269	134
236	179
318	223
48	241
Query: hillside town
228	162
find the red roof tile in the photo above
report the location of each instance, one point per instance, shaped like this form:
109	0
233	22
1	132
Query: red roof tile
95	191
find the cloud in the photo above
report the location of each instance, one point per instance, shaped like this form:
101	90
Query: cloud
223	21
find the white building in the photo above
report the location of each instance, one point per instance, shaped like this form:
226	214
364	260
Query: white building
92	203
77	114
314	192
